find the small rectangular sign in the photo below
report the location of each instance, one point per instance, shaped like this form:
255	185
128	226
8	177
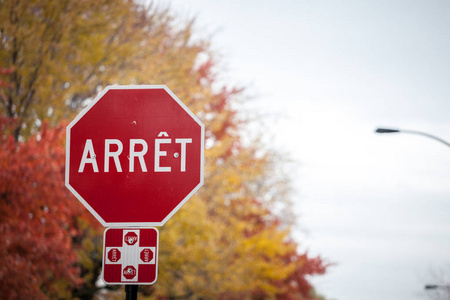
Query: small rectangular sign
130	255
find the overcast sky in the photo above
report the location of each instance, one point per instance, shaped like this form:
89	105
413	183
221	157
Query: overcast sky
326	74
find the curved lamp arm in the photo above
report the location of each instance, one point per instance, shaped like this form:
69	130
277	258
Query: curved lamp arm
390	130
436	286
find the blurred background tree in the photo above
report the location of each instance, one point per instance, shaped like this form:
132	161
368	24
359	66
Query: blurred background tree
232	240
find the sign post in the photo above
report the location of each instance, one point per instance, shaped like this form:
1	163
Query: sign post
131	292
134	156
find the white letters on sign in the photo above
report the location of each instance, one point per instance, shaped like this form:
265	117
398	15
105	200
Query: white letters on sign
89	156
88	150
183	143
139	154
114	155
159	153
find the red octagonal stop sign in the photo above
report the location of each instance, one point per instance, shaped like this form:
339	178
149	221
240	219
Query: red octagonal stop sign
135	155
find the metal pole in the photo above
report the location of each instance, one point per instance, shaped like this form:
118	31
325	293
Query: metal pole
131	291
389	130
427	135
437	286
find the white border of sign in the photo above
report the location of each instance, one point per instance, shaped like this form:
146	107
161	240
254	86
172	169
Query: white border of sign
134	87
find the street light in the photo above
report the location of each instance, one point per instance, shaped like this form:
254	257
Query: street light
391	130
436	286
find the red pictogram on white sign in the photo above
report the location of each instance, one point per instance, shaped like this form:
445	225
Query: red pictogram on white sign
130	255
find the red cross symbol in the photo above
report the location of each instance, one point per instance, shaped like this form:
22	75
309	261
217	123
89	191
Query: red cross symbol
130	255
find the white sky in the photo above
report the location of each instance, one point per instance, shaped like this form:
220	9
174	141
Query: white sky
326	74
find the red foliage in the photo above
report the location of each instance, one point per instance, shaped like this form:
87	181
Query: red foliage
5	71
296	285
38	216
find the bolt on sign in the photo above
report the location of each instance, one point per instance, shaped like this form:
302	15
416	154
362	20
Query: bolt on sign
130	256
135	155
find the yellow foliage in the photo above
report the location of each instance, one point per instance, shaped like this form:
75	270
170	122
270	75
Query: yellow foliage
227	241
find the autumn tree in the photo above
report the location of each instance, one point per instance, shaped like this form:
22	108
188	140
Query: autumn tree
37	226
228	242
61	52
